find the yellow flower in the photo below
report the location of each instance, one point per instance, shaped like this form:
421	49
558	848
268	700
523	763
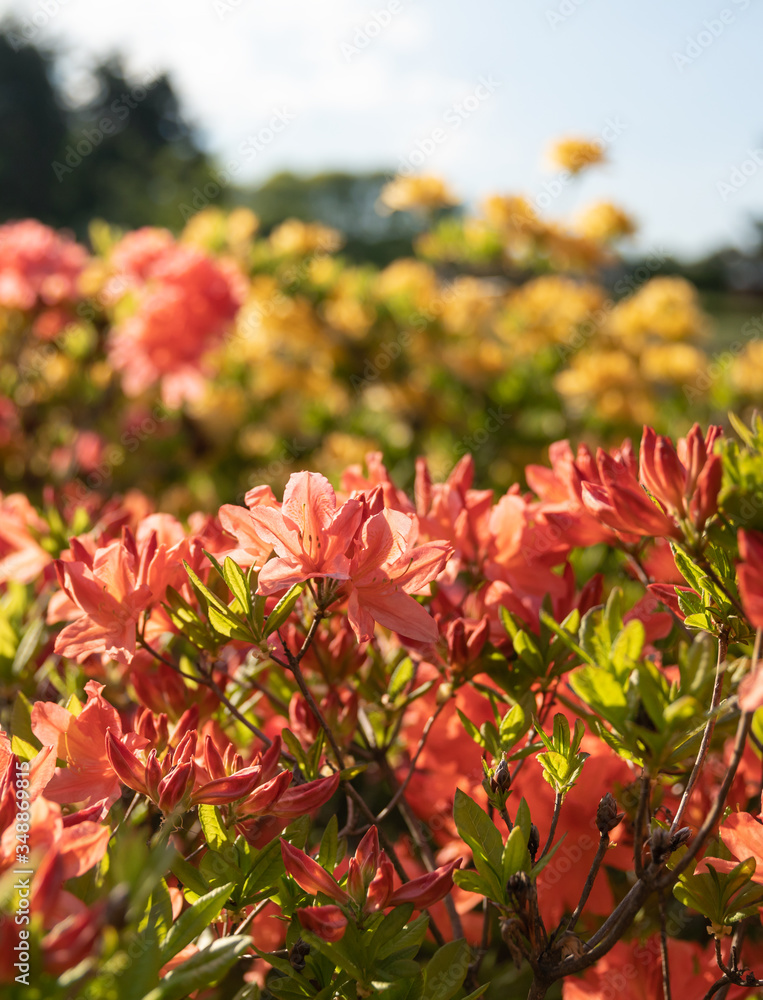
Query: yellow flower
512	214
747	371
408	284
575	154
419	193
662	309
547	310
302	238
605	222
672	362
607	382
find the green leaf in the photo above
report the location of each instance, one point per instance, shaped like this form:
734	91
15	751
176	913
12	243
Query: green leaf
189	876
26	648
238	585
478	830
327	854
283	609
21	721
336	952
194	920
215	833
389	927
206	968
603	692
515	854
472	882
227	624
267	868
446	972
401	677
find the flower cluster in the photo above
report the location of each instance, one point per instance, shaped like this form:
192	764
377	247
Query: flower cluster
222	729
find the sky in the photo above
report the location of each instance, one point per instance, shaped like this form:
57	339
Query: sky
472	91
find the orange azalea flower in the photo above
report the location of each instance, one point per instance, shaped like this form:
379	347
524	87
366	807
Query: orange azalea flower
81	741
386	570
310	534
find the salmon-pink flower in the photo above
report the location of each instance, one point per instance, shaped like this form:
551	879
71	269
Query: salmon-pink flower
110	599
387	568
81	741
38	266
310	533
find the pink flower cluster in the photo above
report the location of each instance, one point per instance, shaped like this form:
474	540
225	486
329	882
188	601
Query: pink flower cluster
185	303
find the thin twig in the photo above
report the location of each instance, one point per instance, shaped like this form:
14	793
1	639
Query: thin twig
558	799
708	733
667	995
639	829
592	873
422	741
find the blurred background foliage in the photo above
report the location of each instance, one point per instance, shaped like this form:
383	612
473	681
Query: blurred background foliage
372	315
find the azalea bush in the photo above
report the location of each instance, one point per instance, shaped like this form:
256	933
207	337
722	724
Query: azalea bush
202	364
351	741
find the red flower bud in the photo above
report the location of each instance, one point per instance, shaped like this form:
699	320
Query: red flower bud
367	854
126	765
380	889
705	500
304	798
328	922
186	748
153	775
264	798
212	759
427	889
232	787
173	788
309	875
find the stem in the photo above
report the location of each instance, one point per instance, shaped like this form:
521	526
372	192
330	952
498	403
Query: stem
558	799
208	681
708	733
708	826
639	830
594	871
664	952
401	790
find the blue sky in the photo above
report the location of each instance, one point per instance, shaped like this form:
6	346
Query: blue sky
364	86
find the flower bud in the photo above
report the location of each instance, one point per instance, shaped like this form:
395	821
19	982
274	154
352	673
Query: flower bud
533	841
298	954
680	837
327	922
173	788
607	816
501	780
660	845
